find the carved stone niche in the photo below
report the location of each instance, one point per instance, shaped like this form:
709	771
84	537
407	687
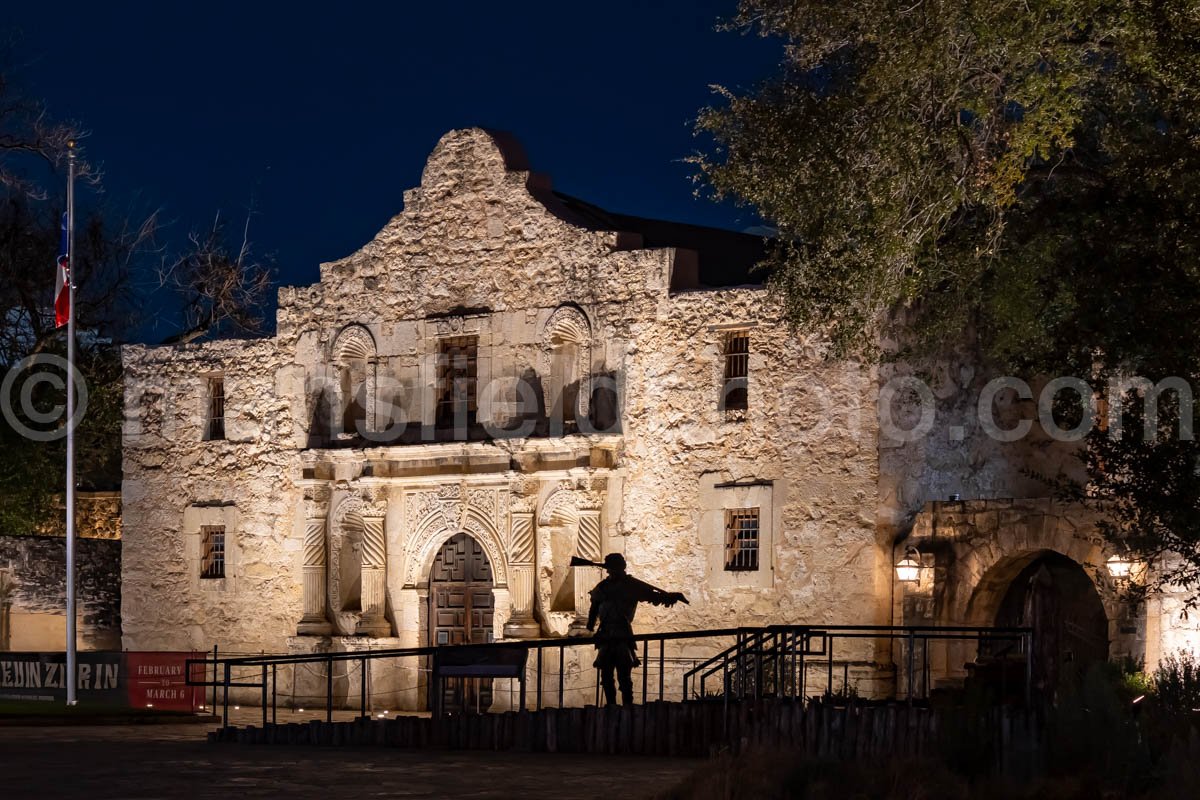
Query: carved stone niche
373	621
358	566
566	364
355	363
569	524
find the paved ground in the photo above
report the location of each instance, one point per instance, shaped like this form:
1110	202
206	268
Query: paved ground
174	762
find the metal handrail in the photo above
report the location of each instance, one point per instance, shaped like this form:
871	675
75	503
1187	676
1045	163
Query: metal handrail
779	642
752	647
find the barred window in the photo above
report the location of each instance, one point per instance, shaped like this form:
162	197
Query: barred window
741	539
215	427
457	376
734	395
212	551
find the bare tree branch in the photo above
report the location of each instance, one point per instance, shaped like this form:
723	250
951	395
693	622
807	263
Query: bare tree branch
223	288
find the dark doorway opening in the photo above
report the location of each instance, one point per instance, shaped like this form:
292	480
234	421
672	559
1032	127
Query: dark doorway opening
1056	597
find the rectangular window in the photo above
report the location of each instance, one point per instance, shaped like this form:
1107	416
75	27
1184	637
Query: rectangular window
457	375
741	539
212	551
215	427
735	348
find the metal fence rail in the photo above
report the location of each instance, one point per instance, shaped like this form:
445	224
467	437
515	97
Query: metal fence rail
771	661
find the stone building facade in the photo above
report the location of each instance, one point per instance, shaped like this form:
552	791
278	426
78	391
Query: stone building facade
502	378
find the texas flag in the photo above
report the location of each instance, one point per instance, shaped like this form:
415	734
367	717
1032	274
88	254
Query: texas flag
62	292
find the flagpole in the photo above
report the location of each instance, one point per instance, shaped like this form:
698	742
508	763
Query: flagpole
71	670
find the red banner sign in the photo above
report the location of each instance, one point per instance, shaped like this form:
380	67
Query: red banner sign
159	680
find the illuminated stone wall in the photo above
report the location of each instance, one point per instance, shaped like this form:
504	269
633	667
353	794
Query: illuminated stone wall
33	593
331	534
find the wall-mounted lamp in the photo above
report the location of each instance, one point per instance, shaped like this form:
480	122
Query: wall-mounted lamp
1119	566
908	569
1124	568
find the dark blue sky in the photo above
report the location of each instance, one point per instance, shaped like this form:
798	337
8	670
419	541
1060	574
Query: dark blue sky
319	117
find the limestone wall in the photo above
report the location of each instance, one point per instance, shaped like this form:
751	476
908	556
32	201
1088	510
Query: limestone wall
483	248
97	516
809	433
33	593
957	456
175	481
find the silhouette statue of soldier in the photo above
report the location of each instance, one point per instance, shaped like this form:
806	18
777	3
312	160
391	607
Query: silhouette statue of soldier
614	602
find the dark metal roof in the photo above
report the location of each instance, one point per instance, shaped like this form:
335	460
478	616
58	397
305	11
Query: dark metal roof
726	258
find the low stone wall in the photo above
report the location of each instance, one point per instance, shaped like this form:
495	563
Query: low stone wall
97	516
33	593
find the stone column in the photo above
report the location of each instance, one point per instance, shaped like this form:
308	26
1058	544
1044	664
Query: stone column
521	624
371	395
316	513
374	573
589	547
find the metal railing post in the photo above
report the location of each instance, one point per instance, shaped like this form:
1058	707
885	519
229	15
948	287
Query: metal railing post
1028	637
562	667
225	699
362	687
792	678
759	652
329	690
264	695
780	664
803	676
662	669
216	679
274	691
725	704
645	667
912	649
829	665
925	666
539	678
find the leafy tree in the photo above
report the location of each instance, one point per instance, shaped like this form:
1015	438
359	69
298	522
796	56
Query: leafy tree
1026	172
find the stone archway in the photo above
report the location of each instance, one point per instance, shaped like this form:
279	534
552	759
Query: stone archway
978	547
1051	593
973	551
432	515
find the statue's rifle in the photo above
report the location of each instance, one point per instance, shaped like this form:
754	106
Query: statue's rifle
576	561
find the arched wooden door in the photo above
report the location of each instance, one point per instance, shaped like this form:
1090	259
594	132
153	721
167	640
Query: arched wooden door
461	608
1054	596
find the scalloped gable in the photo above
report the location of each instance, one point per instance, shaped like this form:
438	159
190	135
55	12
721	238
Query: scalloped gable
470	160
480	173
482	231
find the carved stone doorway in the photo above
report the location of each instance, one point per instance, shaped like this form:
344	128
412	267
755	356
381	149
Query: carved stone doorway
461	609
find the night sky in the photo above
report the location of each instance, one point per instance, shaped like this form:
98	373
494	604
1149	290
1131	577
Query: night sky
319	121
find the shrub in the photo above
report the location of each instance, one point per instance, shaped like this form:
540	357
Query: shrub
1177	682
